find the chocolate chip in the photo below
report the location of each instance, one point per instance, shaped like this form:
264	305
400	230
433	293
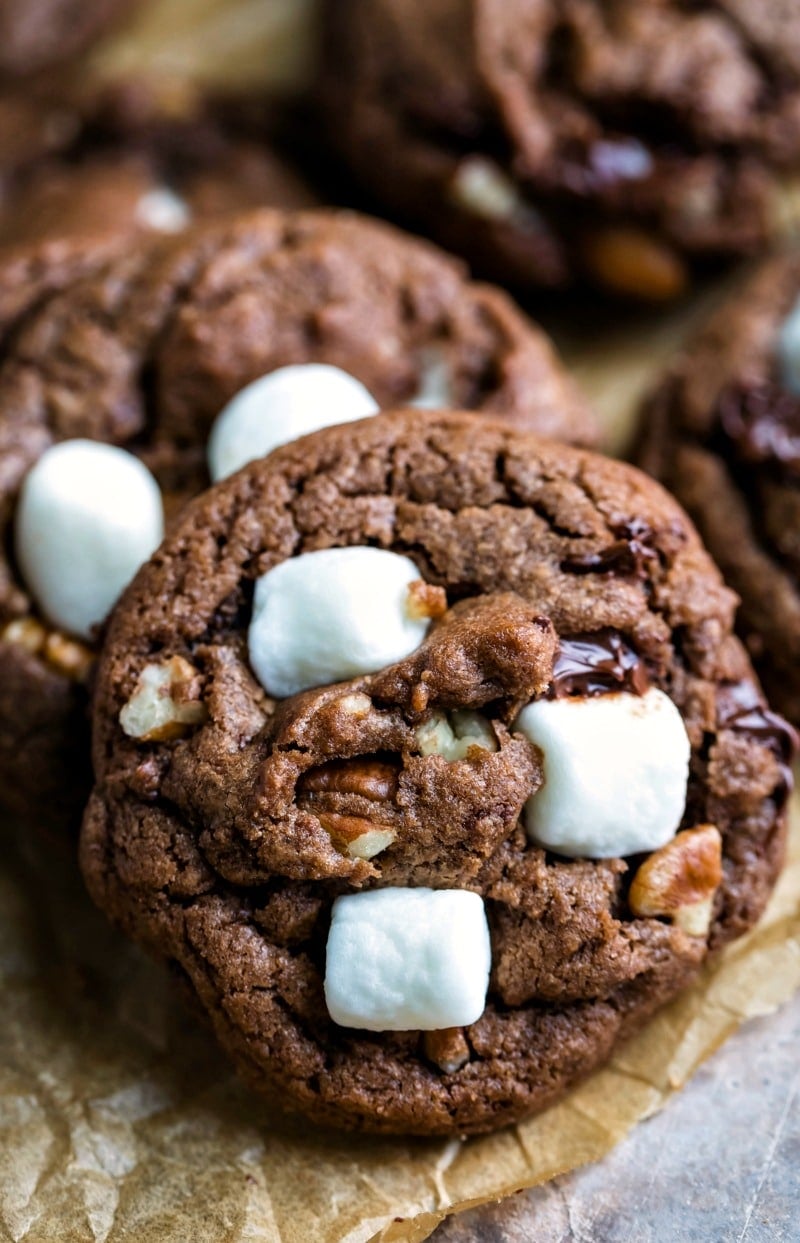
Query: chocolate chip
762	425
595	664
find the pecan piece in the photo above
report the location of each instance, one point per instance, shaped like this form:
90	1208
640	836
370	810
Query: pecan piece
679	880
426	600
329	791
356	836
447	1049
166	702
633	263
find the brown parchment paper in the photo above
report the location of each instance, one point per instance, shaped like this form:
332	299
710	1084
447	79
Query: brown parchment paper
120	1121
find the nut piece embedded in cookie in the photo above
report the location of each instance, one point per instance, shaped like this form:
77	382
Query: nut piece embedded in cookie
359	836
425	601
329	615
407	959
68	657
25	632
680	880
481	187
616	770
165	704
455	734
89	515
282	406
447	1049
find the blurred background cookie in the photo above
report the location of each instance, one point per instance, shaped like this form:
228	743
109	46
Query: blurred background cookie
723	432
626	142
120	159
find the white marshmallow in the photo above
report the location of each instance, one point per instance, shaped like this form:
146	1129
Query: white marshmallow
330	615
89	516
435	390
789	350
280	407
616	769
407	960
163	210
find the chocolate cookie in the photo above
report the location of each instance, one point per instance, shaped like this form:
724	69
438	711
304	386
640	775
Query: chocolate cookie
723	431
82	174
145	353
425	753
120	160
625	141
35	34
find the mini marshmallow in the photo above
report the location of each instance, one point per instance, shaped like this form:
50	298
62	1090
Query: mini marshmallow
89	516
789	350
407	960
330	615
280	407
163	210
616	768
435	390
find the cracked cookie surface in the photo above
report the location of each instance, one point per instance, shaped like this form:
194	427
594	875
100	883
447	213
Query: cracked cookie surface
223	850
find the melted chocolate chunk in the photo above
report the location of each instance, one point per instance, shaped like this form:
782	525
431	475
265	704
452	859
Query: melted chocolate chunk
762	425
597	664
626	556
739	707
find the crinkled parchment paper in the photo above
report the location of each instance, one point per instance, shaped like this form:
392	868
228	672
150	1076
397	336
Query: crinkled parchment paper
120	1120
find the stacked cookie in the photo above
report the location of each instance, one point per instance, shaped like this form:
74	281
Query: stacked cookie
422	743
144	354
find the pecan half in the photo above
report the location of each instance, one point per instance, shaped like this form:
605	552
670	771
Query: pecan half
342	794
